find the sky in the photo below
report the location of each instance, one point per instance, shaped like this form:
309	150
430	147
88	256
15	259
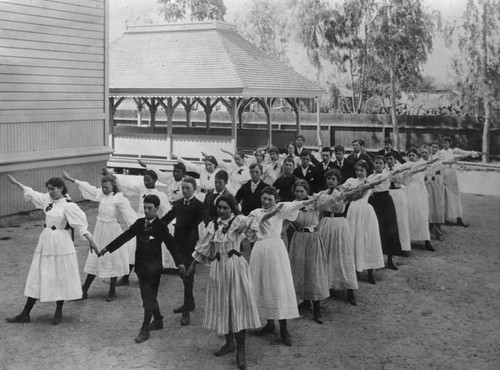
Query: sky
438	65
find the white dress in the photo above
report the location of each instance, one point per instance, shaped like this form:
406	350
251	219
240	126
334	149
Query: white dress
398	196
230	301
106	230
238	175
364	231
125	183
418	205
54	273
270	265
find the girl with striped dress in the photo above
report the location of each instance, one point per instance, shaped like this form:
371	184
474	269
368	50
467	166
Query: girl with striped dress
230	303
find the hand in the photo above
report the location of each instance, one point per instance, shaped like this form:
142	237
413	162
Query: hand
173	156
105	171
205	155
142	163
101	252
93	247
191	270
182	270
66	176
12	180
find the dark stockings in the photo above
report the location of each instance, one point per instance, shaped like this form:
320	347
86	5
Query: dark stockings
240	350
228	346
285	337
58	314
317	312
390	263
371	278
28	306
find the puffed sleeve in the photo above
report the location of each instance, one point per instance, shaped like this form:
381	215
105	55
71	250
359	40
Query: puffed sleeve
88	191
164	204
129	184
204	251
191	166
76	218
123	205
39	200
290	210
164	177
325	201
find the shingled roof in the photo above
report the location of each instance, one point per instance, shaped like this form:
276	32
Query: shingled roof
199	59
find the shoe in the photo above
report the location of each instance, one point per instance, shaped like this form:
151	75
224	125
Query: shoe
429	247
225	349
405	254
56	319
461	223
123	281
21	318
157	324
181	309
186	318
268	329
143	335
392	266
371	280
111	298
351	298
285	338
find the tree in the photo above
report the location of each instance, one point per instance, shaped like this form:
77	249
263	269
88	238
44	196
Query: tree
478	65
402	38
195	10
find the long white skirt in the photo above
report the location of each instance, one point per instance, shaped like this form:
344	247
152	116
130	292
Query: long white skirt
54	274
453	202
401	204
111	264
365	235
272	280
418	211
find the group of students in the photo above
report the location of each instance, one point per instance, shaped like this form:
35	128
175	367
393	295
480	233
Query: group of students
313	228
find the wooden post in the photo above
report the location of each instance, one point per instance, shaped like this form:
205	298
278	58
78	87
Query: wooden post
152	112
139	111
111	121
234	133
208	113
187	107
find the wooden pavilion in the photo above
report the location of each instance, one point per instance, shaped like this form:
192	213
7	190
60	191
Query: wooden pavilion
182	65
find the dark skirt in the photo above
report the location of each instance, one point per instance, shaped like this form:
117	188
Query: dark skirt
387	222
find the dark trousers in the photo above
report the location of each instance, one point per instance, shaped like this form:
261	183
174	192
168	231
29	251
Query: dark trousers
149	284
188	290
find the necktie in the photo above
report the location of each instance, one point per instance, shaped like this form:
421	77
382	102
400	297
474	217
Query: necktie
147	226
186	202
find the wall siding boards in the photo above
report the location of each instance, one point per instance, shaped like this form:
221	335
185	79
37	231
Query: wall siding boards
53	99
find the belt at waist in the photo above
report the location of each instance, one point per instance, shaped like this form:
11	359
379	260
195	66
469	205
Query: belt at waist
231	253
380	193
103	220
306	229
430	178
55	228
332	214
394	187
203	190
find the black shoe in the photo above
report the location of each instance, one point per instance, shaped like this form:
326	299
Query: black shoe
111	298
181	309
186	318
56	319
429	247
461	223
143	335
21	318
240	359
392	266
157	324
268	329
405	253
371	280
225	349
123	281
285	338
351	298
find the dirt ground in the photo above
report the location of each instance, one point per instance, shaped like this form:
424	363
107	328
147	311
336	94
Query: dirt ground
439	311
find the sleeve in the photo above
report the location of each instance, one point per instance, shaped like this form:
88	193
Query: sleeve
88	191
204	251
190	166
461	153
76	218
127	183
290	210
123	237
123	205
164	177
39	200
165	206
326	201
203	215
170	215
172	248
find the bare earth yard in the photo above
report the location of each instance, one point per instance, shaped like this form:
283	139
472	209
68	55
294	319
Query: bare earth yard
440	310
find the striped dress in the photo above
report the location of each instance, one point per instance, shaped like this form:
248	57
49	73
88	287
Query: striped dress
230	302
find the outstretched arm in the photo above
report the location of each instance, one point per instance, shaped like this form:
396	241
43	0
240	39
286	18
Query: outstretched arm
12	180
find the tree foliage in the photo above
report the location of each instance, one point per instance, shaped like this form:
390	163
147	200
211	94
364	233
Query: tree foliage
195	10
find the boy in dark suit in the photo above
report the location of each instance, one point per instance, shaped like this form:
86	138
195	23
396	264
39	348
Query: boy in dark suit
249	193
342	164
188	212
150	233
307	171
388	149
221	179
323	166
357	155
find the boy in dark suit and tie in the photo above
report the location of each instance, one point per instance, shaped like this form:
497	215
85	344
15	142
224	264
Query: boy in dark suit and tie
188	212
307	171
221	179
357	154
323	166
388	149
150	233
249	193
342	164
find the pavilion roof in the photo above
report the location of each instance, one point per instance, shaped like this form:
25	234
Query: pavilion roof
197	60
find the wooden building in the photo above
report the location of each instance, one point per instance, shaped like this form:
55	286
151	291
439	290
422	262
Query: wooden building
53	93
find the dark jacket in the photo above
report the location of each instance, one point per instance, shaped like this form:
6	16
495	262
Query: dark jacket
148	255
321	183
188	217
209	202
250	201
364	157
347	170
284	186
313	158
312	177
395	153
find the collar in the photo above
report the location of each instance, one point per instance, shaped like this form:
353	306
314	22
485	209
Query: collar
150	221
189	199
227	221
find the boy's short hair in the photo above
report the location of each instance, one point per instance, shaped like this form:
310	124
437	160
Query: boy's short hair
190	180
151	173
222	175
152	199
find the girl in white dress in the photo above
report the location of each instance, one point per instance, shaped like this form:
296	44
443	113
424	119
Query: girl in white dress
54	275
238	172
230	304
333	230
418	202
269	263
363	226
111	204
